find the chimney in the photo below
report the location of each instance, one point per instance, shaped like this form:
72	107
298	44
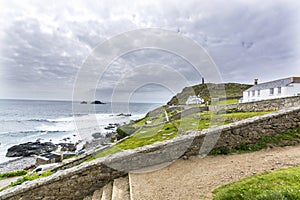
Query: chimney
292	79
255	81
202	80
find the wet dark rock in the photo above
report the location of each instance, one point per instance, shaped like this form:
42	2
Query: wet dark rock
37	148
97	102
124	114
97	135
30	148
67	146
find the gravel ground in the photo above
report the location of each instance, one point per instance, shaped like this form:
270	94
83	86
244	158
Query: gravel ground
17	164
196	177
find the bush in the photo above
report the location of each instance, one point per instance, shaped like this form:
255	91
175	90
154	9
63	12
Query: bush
124	131
220	151
13	174
29	177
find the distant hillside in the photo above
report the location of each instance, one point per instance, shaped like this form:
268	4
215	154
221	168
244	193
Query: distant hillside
210	90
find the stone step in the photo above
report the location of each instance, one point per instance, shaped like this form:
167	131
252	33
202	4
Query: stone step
107	192
97	194
121	189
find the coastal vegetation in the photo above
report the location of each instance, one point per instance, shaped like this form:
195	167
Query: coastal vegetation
25	177
12	174
280	140
29	177
139	133
227	101
277	184
144	136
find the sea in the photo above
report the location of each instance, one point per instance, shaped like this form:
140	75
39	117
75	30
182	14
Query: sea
24	121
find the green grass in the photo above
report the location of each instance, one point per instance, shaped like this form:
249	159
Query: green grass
284	139
235	115
207	119
141	122
144	136
227	101
282	184
150	135
242	115
154	120
29	177
13	174
192	123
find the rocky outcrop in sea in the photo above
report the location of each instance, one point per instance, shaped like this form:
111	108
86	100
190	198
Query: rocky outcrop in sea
37	148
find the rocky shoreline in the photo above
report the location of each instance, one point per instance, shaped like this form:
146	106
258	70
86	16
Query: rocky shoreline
25	154
17	164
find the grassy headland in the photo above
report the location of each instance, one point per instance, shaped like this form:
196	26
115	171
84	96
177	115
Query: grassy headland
208	90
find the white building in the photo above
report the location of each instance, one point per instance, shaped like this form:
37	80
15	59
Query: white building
194	100
274	89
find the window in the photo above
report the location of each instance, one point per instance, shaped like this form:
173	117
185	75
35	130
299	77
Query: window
253	93
271	91
279	90
248	93
258	92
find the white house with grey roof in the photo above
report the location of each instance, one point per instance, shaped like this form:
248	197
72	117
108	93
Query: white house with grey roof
270	90
194	100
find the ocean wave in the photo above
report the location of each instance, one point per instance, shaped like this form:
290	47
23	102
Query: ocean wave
38	120
69	124
17	133
63	119
35	120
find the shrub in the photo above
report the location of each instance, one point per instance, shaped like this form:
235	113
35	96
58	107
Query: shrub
220	151
13	174
124	131
29	177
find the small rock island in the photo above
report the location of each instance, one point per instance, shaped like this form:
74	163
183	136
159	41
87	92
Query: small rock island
97	102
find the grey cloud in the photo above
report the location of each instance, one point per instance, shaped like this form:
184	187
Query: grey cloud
46	45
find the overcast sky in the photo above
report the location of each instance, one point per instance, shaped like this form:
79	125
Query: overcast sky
43	44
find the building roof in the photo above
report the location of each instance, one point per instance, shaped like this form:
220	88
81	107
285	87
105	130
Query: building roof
275	84
50	155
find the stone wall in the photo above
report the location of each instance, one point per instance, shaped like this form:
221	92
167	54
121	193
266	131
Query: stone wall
73	183
245	131
265	105
79	181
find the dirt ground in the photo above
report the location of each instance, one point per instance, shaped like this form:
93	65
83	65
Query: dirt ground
196	177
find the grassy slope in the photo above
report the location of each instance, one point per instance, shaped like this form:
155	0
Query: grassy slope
279	184
207	119
208	90
149	135
142	137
